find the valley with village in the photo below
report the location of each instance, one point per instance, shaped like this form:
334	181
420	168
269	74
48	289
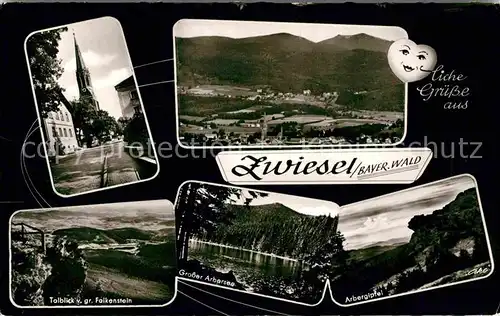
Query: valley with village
282	89
264	117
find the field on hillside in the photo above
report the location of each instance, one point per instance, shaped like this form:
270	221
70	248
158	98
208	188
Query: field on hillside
145	276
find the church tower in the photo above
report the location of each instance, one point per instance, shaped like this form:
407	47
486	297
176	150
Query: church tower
263	132
83	78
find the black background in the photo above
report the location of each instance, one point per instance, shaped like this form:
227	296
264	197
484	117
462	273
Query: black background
460	34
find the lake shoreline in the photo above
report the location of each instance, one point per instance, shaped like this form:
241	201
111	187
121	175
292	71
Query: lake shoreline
240	248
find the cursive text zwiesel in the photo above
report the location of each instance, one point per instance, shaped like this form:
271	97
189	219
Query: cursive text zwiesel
257	167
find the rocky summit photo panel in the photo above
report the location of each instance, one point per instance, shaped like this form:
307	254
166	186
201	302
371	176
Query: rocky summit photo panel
423	238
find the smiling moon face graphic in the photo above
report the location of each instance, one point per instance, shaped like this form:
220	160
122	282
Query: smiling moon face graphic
411	62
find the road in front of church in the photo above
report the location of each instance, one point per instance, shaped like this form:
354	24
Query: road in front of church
119	167
94	168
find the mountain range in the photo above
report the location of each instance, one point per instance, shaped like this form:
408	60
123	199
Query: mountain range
289	63
113	236
358	41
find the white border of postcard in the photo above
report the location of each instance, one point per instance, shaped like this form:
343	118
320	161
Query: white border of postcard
73	306
177	120
40	121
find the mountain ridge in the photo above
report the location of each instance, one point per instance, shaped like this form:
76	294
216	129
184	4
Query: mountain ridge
357	36
359	41
96	235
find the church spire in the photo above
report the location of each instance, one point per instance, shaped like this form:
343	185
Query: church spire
83	77
80	64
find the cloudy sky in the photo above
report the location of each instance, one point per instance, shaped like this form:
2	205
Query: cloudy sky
299	204
147	215
384	220
312	32
105	54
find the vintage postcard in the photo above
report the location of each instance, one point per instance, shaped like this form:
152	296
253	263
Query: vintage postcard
274	84
94	128
423	238
105	255
258	242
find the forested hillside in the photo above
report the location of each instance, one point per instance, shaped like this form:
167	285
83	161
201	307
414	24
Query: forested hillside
274	228
288	63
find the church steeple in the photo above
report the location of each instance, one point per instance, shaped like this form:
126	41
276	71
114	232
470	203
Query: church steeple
83	77
80	64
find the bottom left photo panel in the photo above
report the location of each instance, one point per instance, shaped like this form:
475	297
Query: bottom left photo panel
118	254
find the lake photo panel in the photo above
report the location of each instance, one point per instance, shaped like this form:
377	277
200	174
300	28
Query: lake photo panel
258	242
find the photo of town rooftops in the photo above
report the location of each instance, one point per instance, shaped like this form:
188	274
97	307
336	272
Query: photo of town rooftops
273	84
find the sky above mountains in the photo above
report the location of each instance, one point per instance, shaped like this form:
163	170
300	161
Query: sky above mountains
312	31
384	219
